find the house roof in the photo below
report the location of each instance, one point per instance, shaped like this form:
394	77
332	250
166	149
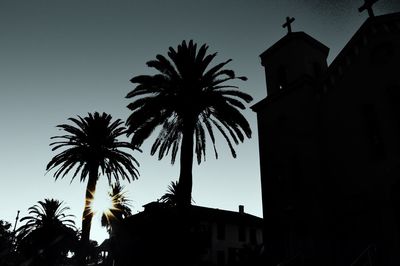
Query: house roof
217	215
195	213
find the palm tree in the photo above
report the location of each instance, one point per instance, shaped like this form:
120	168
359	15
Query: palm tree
172	195
187	98
121	207
48	233
91	145
47	212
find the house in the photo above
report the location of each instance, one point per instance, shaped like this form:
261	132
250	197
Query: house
329	141
196	235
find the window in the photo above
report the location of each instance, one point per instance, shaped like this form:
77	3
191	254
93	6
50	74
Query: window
282	77
317	69
253	236
242	233
232	256
220	231
220	258
382	53
393	100
393	94
373	131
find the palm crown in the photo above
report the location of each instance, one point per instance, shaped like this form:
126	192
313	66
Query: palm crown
49	212
47	231
188	99
171	197
93	141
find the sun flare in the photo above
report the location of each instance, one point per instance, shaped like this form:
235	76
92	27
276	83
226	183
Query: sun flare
102	203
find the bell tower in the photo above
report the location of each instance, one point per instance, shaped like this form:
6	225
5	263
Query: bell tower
297	55
288	141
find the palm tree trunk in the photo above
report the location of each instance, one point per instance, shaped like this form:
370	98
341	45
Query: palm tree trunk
87	214
186	178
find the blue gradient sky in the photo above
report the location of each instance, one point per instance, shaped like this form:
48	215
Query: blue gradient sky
60	59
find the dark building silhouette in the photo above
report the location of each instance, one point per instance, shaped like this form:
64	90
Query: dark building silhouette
195	235
329	139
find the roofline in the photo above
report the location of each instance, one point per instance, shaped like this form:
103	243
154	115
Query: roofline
367	23
208	209
304	80
227	211
300	34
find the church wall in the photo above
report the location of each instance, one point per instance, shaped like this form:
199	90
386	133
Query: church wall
363	149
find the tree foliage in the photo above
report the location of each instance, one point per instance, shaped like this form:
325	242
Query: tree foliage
187	100
48	233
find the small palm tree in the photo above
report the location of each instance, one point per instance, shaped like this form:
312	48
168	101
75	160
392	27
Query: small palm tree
120	207
171	196
91	145
48	233
46	213
187	98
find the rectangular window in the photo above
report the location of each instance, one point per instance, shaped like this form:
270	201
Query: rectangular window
232	256
242	233
393	99
317	69
373	131
220	231
253	236
220	258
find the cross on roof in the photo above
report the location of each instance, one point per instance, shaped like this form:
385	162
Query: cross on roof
288	24
368	6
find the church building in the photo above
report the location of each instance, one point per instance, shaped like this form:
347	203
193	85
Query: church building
329	139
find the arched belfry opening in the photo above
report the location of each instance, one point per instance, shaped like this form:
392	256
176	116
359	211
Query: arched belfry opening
282	77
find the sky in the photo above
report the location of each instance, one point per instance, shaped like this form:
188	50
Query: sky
60	59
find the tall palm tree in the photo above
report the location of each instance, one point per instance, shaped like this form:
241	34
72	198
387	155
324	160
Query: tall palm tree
120	207
187	98
89	146
48	233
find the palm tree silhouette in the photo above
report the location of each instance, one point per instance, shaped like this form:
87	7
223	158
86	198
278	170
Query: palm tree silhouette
172	195
121	207
187	99
48	233
47	212
92	144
